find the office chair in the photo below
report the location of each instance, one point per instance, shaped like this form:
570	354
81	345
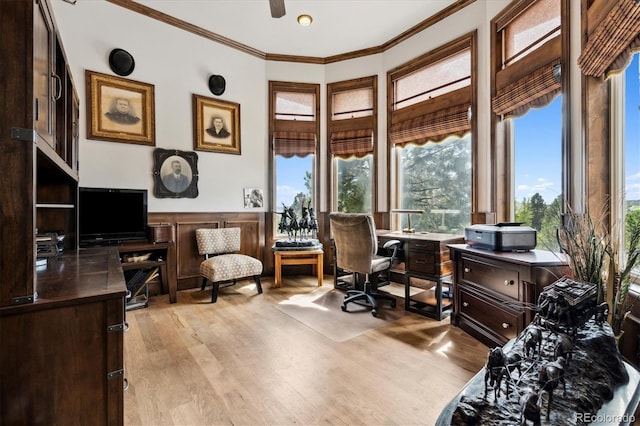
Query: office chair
356	251
222	264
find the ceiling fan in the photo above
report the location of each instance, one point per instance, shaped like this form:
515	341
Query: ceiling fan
277	8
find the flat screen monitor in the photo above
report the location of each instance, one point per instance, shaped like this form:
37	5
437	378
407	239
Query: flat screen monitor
109	216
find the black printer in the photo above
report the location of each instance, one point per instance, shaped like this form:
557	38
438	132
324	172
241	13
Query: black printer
507	236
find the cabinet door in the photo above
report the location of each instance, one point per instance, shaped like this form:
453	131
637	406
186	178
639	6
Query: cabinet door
63	365
42	73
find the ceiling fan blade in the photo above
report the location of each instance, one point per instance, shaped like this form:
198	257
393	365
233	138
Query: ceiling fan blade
277	8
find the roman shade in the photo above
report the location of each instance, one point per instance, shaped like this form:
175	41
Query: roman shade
352	116
613	40
432	99
358	143
434	126
533	90
290	144
531	59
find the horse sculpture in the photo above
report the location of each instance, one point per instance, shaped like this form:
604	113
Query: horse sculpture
495	371
529	407
550	376
532	340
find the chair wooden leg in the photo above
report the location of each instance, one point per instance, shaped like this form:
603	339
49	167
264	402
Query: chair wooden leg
204	283
214	292
256	278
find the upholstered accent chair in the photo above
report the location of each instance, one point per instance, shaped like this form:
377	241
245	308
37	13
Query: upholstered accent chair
222	264
356	245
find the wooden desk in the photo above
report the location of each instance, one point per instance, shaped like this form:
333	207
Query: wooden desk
62	360
312	257
427	266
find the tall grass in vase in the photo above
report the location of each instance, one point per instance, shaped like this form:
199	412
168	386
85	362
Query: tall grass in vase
594	257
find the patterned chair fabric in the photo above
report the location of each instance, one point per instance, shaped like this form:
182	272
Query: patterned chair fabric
222	264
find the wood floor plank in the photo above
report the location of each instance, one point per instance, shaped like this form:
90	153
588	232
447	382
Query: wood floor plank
242	361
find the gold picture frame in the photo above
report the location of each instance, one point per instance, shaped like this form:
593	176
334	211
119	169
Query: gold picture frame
120	110
216	125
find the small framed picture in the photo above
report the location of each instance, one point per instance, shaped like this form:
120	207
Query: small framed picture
216	125
119	110
253	198
175	173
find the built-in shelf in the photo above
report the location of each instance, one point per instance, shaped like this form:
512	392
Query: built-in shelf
55	206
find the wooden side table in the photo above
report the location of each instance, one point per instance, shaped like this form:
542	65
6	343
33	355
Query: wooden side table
307	256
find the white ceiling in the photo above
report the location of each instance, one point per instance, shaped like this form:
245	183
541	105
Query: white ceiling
339	26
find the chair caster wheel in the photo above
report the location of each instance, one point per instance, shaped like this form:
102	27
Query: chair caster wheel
374	313
344	308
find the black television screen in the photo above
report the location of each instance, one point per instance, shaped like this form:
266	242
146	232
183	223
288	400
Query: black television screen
110	215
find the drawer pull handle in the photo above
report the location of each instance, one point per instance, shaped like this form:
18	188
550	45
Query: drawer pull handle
465	304
505	325
467	269
509	282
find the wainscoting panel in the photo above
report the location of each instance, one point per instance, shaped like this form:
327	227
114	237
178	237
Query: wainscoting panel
188	259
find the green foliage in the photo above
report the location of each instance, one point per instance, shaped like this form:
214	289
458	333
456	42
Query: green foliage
537	211
524	214
548	233
437	176
354	185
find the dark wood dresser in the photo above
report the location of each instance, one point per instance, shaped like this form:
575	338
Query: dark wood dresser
495	291
62	355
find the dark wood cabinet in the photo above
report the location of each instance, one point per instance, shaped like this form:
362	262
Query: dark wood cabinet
38	143
60	325
62	358
495	293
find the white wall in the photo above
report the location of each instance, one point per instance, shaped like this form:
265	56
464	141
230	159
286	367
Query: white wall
179	63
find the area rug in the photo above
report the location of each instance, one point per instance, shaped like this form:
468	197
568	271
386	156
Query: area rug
320	310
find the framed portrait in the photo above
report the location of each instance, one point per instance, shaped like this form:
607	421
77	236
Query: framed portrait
216	125
120	110
175	173
253	198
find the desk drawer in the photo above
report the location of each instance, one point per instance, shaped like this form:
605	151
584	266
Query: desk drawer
491	315
430	246
495	277
423	263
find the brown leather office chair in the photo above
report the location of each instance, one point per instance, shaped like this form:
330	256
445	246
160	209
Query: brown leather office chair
356	245
222	264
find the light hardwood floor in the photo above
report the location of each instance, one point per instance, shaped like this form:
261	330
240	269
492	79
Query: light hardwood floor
241	361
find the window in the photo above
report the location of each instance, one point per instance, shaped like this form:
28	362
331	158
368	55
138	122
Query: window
294	130
352	120
537	168
626	93
631	153
527	88
430	131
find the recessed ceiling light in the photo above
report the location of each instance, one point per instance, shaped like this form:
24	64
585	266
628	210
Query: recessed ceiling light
305	20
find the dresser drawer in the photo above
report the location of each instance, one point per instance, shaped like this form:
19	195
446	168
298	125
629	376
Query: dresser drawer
498	278
490	314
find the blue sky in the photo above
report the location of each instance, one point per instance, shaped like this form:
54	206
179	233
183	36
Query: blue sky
538	158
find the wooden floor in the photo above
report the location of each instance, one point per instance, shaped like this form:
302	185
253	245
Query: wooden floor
241	361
